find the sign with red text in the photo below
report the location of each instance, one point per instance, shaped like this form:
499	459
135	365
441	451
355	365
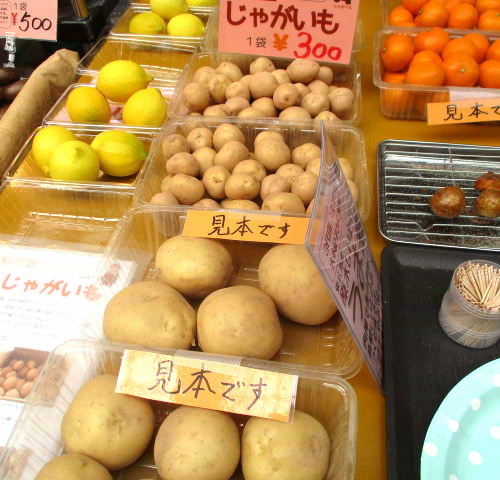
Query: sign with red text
34	19
321	30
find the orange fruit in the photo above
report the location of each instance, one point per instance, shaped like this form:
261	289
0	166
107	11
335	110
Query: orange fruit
489	20
394	77
481	42
489	74
434	39
469	2
484	5
461	45
396	102
396	52
425	73
460	70
493	52
426	56
449	4
399	16
414	6
463	16
433	14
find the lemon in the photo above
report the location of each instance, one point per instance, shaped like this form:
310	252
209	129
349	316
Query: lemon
146	107
168	9
46	141
147	23
74	160
186	25
119	79
120	153
88	105
202	3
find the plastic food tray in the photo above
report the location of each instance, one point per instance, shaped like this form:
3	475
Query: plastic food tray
409	102
37	438
24	166
344	76
409	173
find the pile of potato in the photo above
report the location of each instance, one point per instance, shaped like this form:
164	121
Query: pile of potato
18	377
104	431
303	91
205	168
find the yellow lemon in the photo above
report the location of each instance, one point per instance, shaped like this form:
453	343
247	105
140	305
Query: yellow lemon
147	23
202	3
120	153
75	161
88	105
146	107
119	79
46	141
168	9
186	25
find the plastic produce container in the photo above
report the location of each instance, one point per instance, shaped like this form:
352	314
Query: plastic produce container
344	76
196	9
37	436
24	166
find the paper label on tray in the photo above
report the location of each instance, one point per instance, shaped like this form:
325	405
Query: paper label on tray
205	383
33	19
321	30
245	227
464	111
9	414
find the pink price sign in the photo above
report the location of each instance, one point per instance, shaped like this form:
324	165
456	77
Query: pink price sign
321	30
32	19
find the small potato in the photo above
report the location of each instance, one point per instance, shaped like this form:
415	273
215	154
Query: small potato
251	112
261	64
18	365
303	91
303	71
217	85
205	157
2	392
196	96
183	163
215	111
305	153
31	364
354	190
268	134
237	89
203	74
225	133
235	105
11	374
32	374
252	167
314	166
2	379
315	103
295	113
285	96
305	187
347	170
73	466
214	180
325	74
242	186
26	389
327	116
273	184
246	80
173	144
231	153
272	153
207	203
191	123
262	84
199	137
289	172
284	202
6	370
231	70
341	101
266	106
281	76
9	383
240	204
165	183
19	384
163	198
317	86
186	189
13	393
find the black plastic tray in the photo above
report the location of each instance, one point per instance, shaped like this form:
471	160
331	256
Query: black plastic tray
421	363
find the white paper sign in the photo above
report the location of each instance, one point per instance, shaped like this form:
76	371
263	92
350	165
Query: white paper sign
9	414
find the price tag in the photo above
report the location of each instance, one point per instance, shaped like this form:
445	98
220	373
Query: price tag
33	19
202	382
245	227
321	30
464	111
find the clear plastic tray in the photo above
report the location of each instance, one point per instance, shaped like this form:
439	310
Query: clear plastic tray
344	76
193	9
347	141
409	102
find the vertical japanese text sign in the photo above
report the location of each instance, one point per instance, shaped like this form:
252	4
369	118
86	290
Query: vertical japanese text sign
337	242
321	30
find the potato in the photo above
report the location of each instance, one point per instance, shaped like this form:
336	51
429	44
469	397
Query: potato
26	389
241	321
215	111
354	190
205	157
192	121
252	167
231	70
214	180
295	113
315	103
305	187
203	74
282	451
314	166
281	76
261	64
111	428
196	96
10	383
347	170
268	134
289	172
266	106
163	198
226	132
317	86
289	276
217	85
242	186
240	204
302	71
2	391
235	105
231	154
18	365
199	137
302	155
325	74
251	112
331	88
207	203
246	80
283	202
73	466
326	116
272	153
183	163
303	91
194	266
262	84
273	184
12	393
32	374
285	96
165	183
237	89
197	444
186	189
173	144
341	101
310	209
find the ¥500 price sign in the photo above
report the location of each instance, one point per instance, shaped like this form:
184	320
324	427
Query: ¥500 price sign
35	19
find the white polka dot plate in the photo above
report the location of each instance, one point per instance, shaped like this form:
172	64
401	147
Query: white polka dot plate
463	439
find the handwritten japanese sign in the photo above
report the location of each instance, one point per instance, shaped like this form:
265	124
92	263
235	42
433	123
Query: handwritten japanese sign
245	227
464	111
200	382
321	30
29	19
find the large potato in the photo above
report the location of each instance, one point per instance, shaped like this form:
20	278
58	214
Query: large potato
186	189
272	450
197	444
109	427
151	314
73	466
283	202
290	277
231	153
195	267
242	186
239	321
